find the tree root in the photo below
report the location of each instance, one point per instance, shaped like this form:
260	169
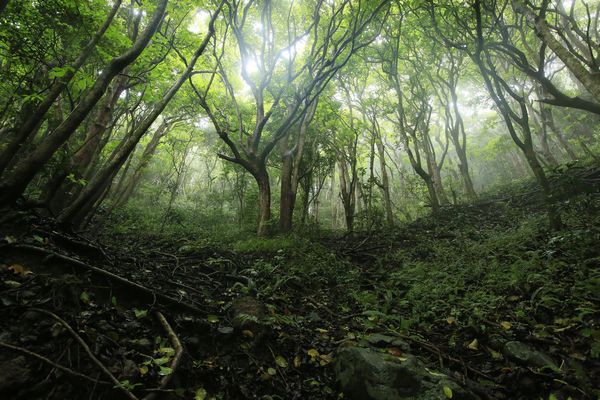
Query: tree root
176	358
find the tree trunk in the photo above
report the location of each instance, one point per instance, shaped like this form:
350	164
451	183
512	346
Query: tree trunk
34	118
385	184
130	142
16	183
264	202
287	200
123	196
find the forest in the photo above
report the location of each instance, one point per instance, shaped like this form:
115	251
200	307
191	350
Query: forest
300	199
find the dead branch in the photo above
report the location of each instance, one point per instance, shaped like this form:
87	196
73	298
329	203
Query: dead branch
88	351
176	358
52	363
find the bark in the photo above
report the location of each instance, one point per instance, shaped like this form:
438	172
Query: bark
123	196
590	80
121	154
498	89
290	171
385	184
34	118
15	184
88	151
264	202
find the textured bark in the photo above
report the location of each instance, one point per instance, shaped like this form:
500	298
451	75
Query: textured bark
132	182
120	156
385	183
33	118
589	79
290	171
15	184
264	203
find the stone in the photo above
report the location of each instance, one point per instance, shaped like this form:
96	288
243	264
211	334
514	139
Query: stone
381	340
523	354
14	374
365	374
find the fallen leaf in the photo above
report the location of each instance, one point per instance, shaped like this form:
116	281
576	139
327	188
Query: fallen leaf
325	359
282	362
496	355
451	321
313	353
474	345
448	392
505	325
395	351
200	394
248	333
213	319
19	269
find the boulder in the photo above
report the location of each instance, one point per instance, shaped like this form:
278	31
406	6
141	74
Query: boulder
381	340
365	374
523	354
14	374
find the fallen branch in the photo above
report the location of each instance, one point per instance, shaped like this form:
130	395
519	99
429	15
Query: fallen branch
52	254
176	358
87	349
52	363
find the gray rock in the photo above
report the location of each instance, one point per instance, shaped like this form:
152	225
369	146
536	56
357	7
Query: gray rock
381	340
523	354
14	373
365	374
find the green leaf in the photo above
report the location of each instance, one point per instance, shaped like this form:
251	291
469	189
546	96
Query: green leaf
200	394
140	313
448	392
84	297
282	362
161	360
165	371
213	319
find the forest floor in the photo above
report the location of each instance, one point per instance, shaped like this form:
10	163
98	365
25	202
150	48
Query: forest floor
199	318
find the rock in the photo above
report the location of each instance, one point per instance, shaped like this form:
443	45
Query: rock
365	374
381	340
521	353
13	374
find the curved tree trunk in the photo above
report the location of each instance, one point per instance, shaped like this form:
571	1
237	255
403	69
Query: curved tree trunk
15	184
34	118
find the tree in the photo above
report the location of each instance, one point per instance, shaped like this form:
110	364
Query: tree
14	183
284	81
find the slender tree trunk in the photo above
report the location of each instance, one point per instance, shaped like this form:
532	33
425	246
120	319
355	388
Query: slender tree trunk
385	184
121	155
15	184
34	118
264	202
124	195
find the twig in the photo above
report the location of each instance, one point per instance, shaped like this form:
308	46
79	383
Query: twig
107	274
88	351
52	363
433	349
176	358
